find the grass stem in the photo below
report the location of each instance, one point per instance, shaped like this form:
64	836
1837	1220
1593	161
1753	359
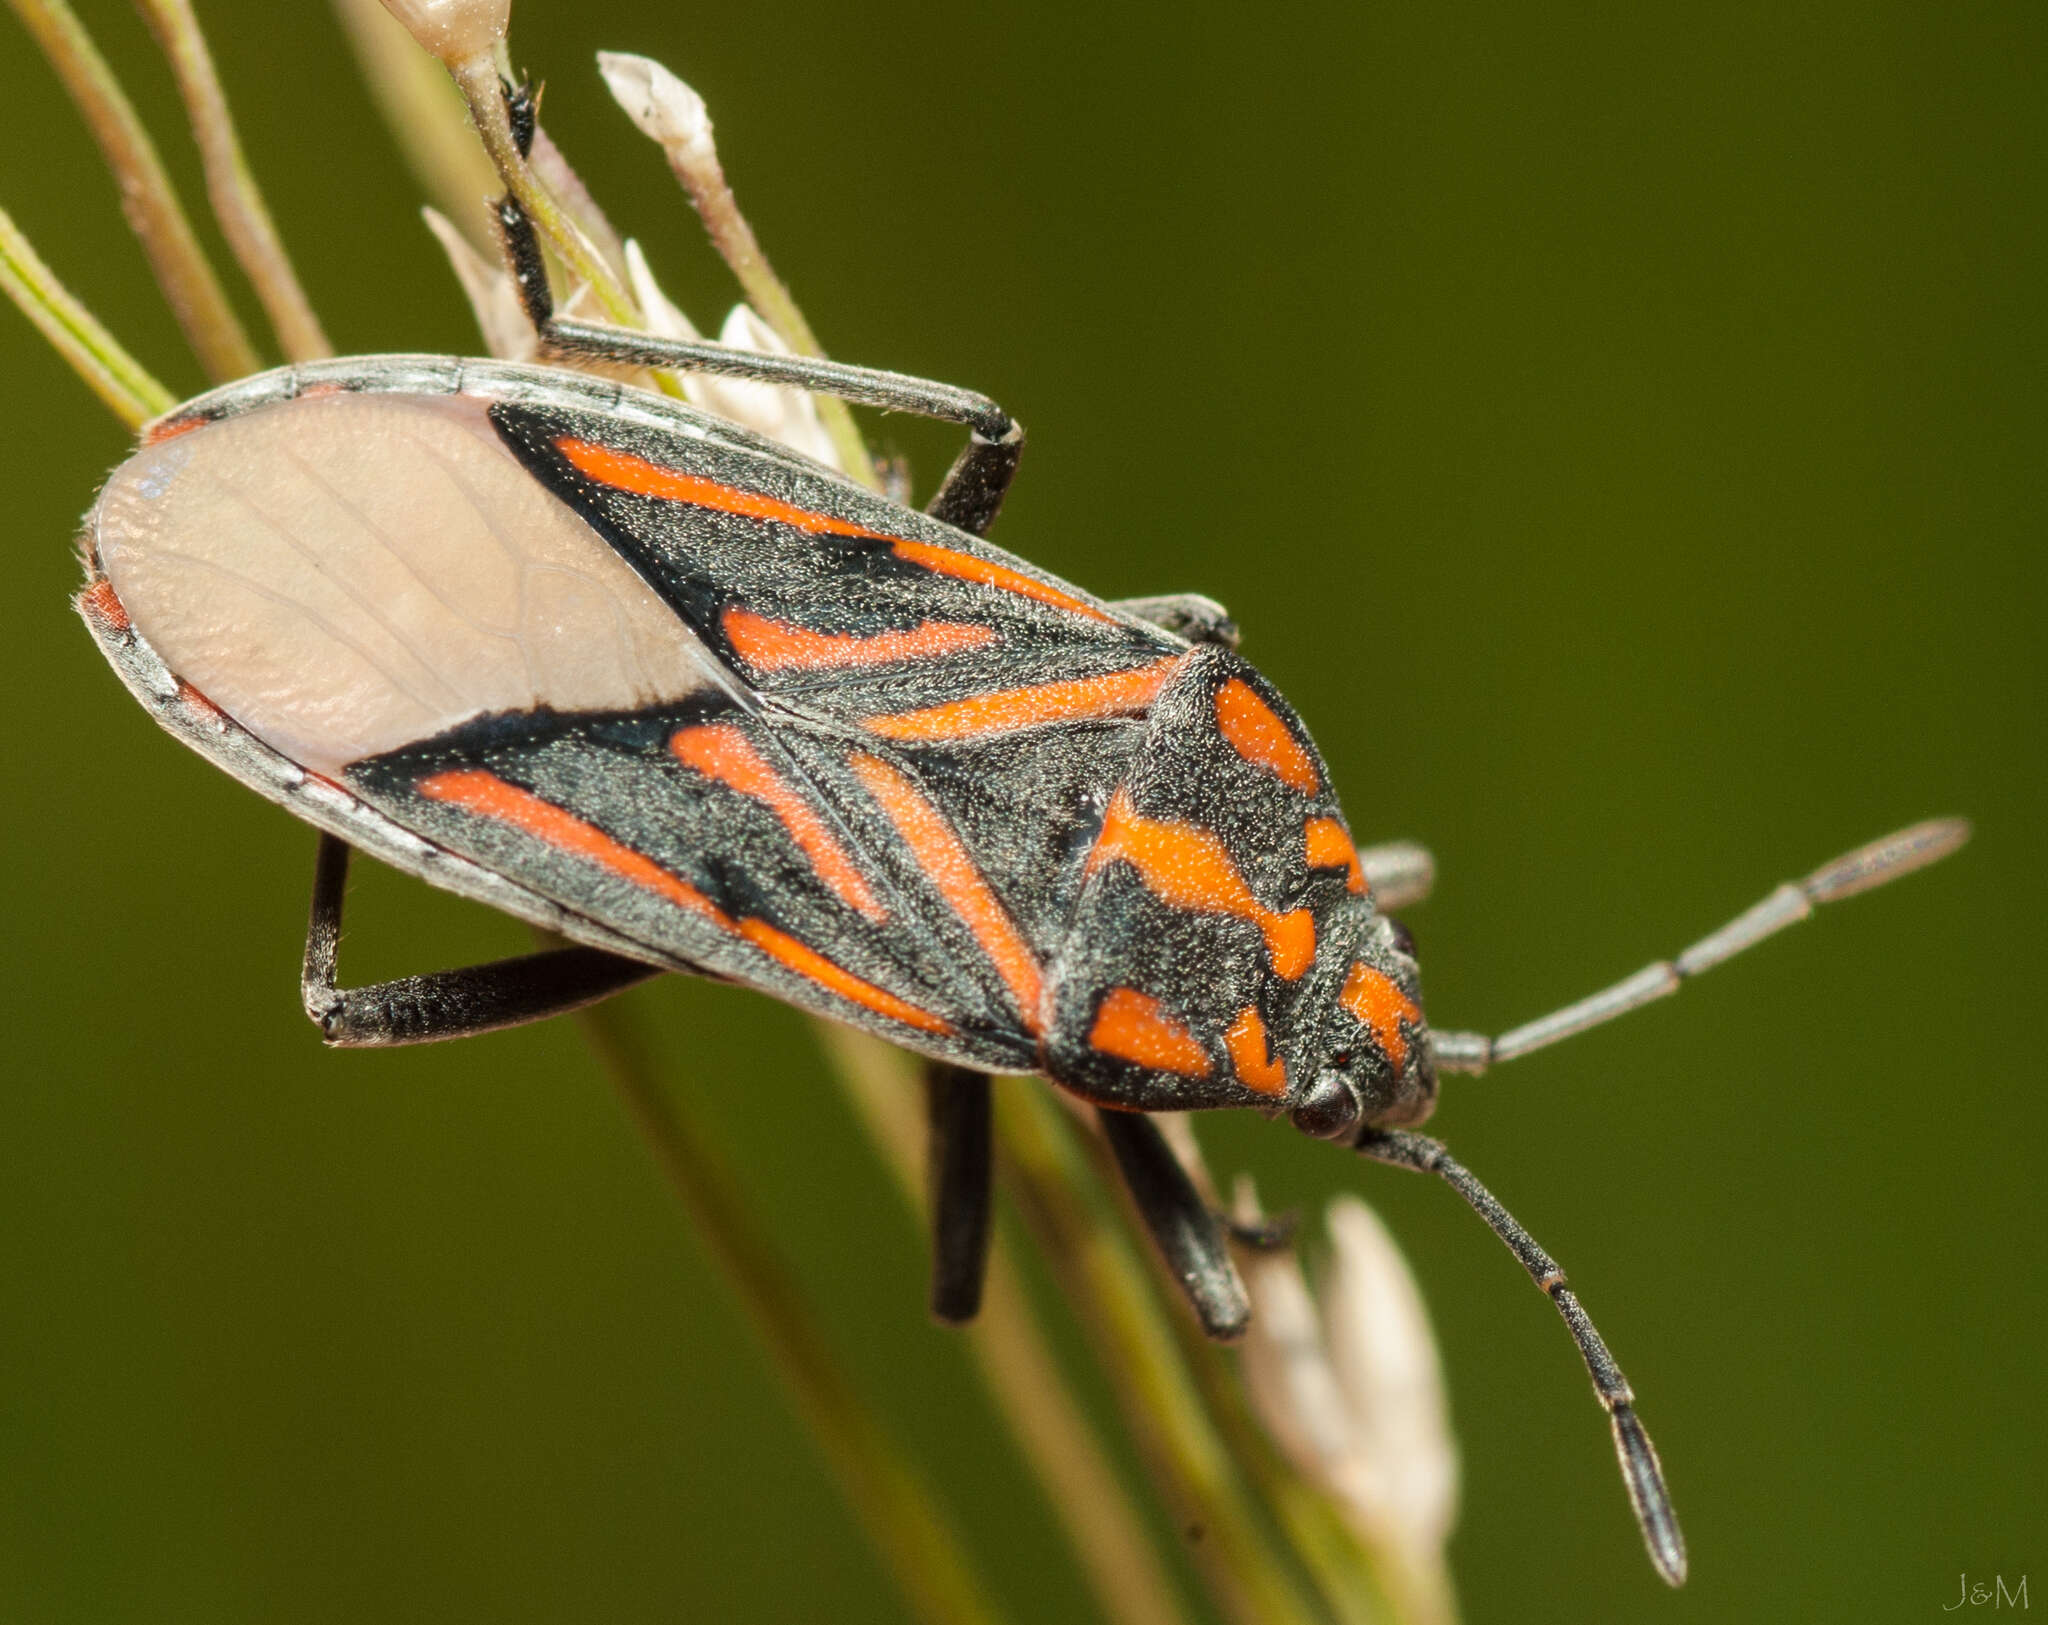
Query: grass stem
1051	1429
908	1526
237	199
114	375
1079	1230
148	199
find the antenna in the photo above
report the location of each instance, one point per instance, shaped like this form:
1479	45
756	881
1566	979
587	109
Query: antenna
1639	1469
1873	865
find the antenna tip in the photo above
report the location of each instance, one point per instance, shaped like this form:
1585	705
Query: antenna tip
1652	1501
1887	859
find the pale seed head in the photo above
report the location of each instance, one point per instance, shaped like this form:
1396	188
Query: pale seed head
664	108
507	334
1377	1332
1347	1380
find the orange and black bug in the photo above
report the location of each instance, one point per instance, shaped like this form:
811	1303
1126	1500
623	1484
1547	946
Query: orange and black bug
698	704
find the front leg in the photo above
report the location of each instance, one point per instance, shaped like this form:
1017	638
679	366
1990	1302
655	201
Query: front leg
1189	1237
442	1004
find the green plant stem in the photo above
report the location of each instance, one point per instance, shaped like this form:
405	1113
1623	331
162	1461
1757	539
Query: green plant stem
906	1523
703	179
483	92
114	375
1050	1428
424	112
1351	1576
485	96
237	199
553	170
1080	1232
147	197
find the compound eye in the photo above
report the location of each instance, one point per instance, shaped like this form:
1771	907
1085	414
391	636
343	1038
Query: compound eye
1330	1109
1404	939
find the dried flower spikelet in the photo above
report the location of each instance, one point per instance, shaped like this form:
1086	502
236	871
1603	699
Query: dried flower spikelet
662	317
1377	1332
1287	1372
787	415
1349	1387
660	313
456	31
665	109
507	334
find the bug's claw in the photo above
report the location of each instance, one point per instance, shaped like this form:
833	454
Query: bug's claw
1652	1501
1273	1235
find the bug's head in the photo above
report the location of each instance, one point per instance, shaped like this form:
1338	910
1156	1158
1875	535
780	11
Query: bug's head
1377	1071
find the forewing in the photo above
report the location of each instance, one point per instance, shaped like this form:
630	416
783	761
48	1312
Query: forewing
815	593
959	716
698	832
867	787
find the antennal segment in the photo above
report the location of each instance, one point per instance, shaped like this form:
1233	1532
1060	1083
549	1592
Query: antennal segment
1853	872
1639	1469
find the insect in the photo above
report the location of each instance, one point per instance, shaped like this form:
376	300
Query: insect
697	704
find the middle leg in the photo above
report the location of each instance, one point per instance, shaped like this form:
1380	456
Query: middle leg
962	1187
973	490
442	1004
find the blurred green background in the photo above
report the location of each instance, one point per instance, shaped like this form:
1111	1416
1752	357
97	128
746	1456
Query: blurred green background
1619	430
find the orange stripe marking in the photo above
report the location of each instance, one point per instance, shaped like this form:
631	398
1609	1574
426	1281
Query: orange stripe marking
1256	733
1188	867
1256	1064
778	646
949	866
1135	1027
721	752
624	472
1329	847
947	561
1123	693
476	791
807	962
1380	1005
488	796
193	700
100	602
170	428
